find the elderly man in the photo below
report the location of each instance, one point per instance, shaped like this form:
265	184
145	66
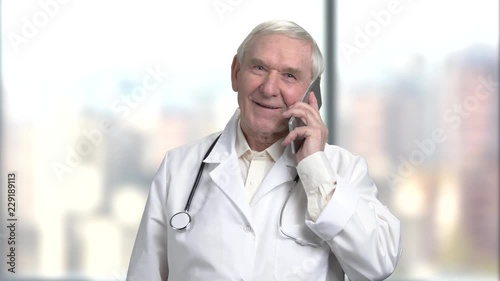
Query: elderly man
258	211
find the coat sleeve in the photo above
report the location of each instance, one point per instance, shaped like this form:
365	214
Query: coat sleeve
361	232
149	255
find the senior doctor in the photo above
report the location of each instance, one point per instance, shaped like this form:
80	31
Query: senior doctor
259	211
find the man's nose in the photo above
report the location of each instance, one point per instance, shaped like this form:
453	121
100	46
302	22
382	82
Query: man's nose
270	85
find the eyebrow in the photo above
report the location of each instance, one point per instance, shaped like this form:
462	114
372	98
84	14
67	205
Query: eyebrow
254	61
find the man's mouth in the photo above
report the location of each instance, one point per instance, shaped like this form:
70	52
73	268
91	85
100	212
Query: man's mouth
267	106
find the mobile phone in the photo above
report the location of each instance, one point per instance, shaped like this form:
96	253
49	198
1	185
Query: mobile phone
297	122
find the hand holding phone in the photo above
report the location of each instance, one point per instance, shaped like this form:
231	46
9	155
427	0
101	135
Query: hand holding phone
297	122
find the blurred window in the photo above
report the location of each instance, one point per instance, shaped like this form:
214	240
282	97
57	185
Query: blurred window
417	96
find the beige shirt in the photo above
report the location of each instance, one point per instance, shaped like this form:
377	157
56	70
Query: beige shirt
315	172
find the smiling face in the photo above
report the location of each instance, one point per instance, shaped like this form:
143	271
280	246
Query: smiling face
273	75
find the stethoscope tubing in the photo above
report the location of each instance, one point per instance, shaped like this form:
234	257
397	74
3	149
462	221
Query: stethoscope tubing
280	224
183	217
198	176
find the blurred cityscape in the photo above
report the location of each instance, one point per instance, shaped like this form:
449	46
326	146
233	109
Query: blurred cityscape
431	140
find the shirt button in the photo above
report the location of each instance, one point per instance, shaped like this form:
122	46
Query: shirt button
247	228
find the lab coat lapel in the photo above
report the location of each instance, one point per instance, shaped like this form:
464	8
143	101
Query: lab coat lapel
284	170
227	175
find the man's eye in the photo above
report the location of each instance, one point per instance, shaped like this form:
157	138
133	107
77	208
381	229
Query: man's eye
288	75
259	67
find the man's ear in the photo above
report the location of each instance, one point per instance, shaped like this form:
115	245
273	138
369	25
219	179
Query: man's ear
235	69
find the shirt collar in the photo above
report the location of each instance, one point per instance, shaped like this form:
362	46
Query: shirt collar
241	145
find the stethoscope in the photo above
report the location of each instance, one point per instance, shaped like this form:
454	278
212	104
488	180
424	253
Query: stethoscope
182	220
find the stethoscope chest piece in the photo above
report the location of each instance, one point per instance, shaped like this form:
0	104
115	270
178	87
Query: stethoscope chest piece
180	221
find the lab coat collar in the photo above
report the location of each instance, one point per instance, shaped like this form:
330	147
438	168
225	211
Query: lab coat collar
225	145
226	175
224	152
284	170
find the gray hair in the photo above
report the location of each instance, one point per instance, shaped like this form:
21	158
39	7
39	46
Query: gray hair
289	29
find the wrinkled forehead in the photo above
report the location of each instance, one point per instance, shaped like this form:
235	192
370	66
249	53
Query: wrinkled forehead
265	40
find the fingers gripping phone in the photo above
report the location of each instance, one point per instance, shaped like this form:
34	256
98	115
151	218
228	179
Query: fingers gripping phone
297	122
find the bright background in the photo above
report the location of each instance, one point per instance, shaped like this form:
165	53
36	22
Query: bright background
416	94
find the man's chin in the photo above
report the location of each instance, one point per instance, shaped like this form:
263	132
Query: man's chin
275	132
264	127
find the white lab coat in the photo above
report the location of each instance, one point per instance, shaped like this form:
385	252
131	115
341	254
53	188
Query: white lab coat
230	239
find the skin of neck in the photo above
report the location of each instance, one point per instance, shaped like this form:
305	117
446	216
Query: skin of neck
262	141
